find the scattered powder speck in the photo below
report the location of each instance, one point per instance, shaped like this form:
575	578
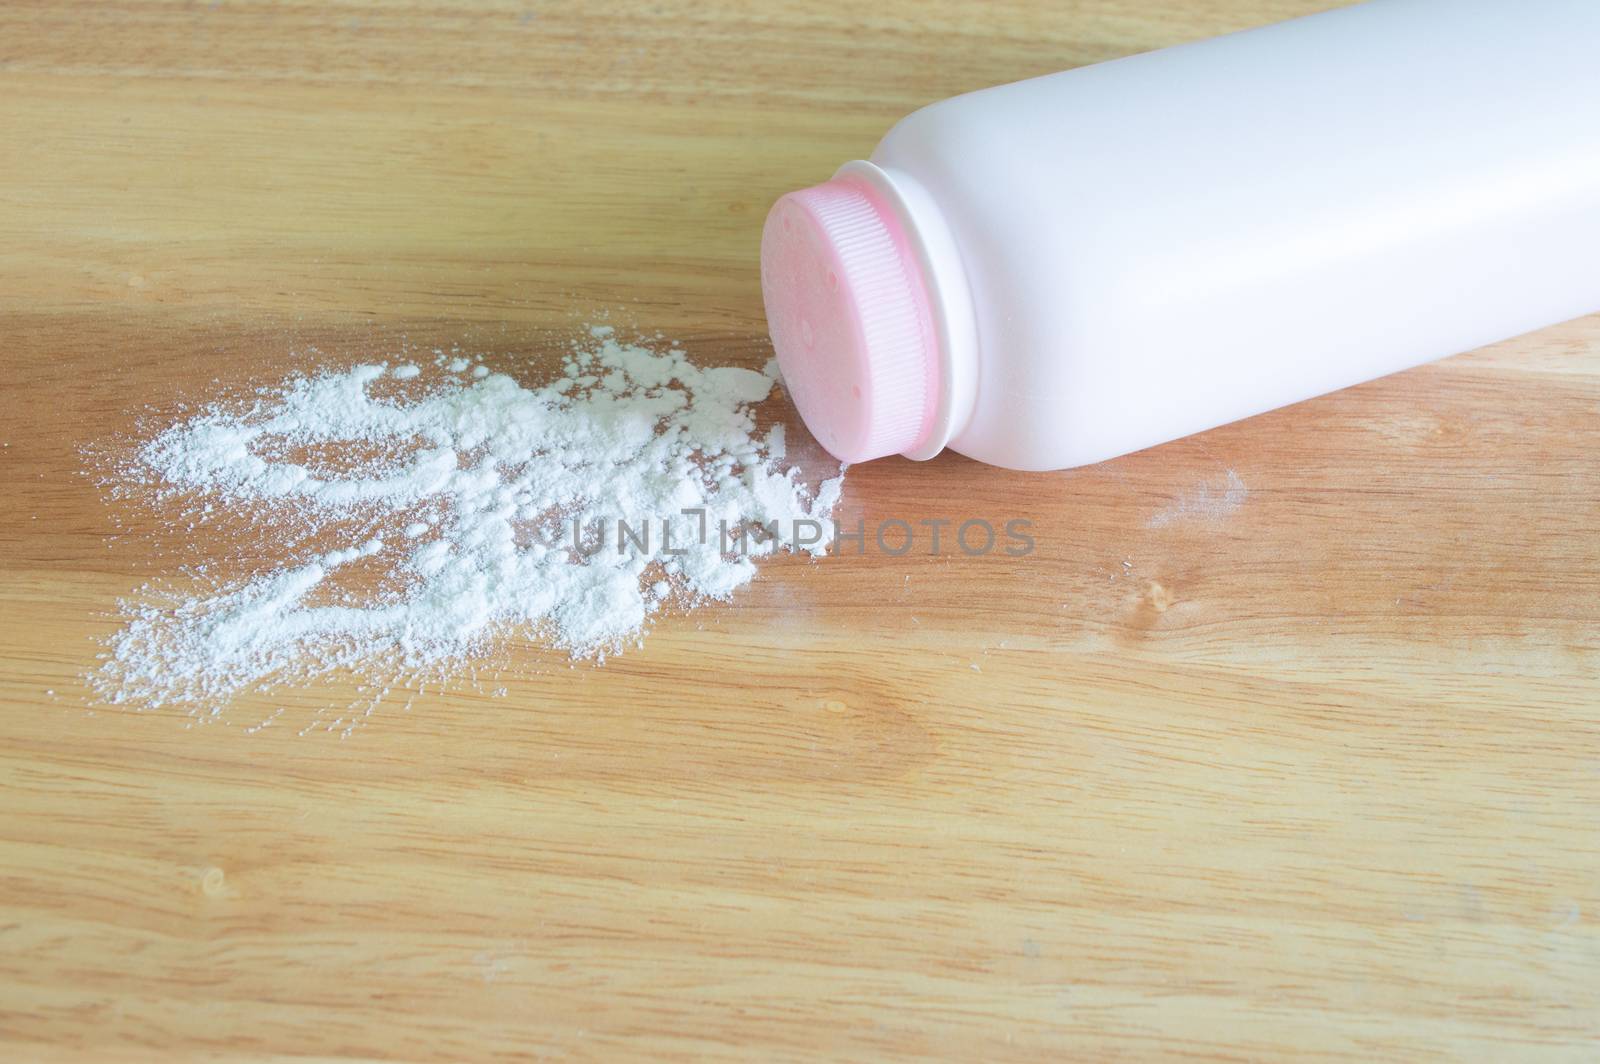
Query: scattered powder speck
408	525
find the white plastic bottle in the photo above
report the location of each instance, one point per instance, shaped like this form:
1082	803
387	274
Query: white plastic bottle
1066	269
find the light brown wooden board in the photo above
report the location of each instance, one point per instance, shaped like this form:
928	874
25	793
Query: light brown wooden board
1313	776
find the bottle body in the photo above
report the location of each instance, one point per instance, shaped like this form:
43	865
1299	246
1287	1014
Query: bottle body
1165	243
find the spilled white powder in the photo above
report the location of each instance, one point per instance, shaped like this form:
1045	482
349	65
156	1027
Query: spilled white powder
449	504
1205	501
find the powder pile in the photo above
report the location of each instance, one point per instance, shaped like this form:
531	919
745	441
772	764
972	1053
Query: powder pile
462	507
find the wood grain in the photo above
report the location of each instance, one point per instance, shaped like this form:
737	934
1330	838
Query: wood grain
1310	770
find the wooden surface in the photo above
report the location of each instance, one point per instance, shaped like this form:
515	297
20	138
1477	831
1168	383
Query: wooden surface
1306	765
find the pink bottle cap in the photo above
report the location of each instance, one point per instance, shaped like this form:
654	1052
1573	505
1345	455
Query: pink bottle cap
850	319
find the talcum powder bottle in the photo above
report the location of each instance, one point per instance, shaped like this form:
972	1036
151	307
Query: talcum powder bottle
1062	270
